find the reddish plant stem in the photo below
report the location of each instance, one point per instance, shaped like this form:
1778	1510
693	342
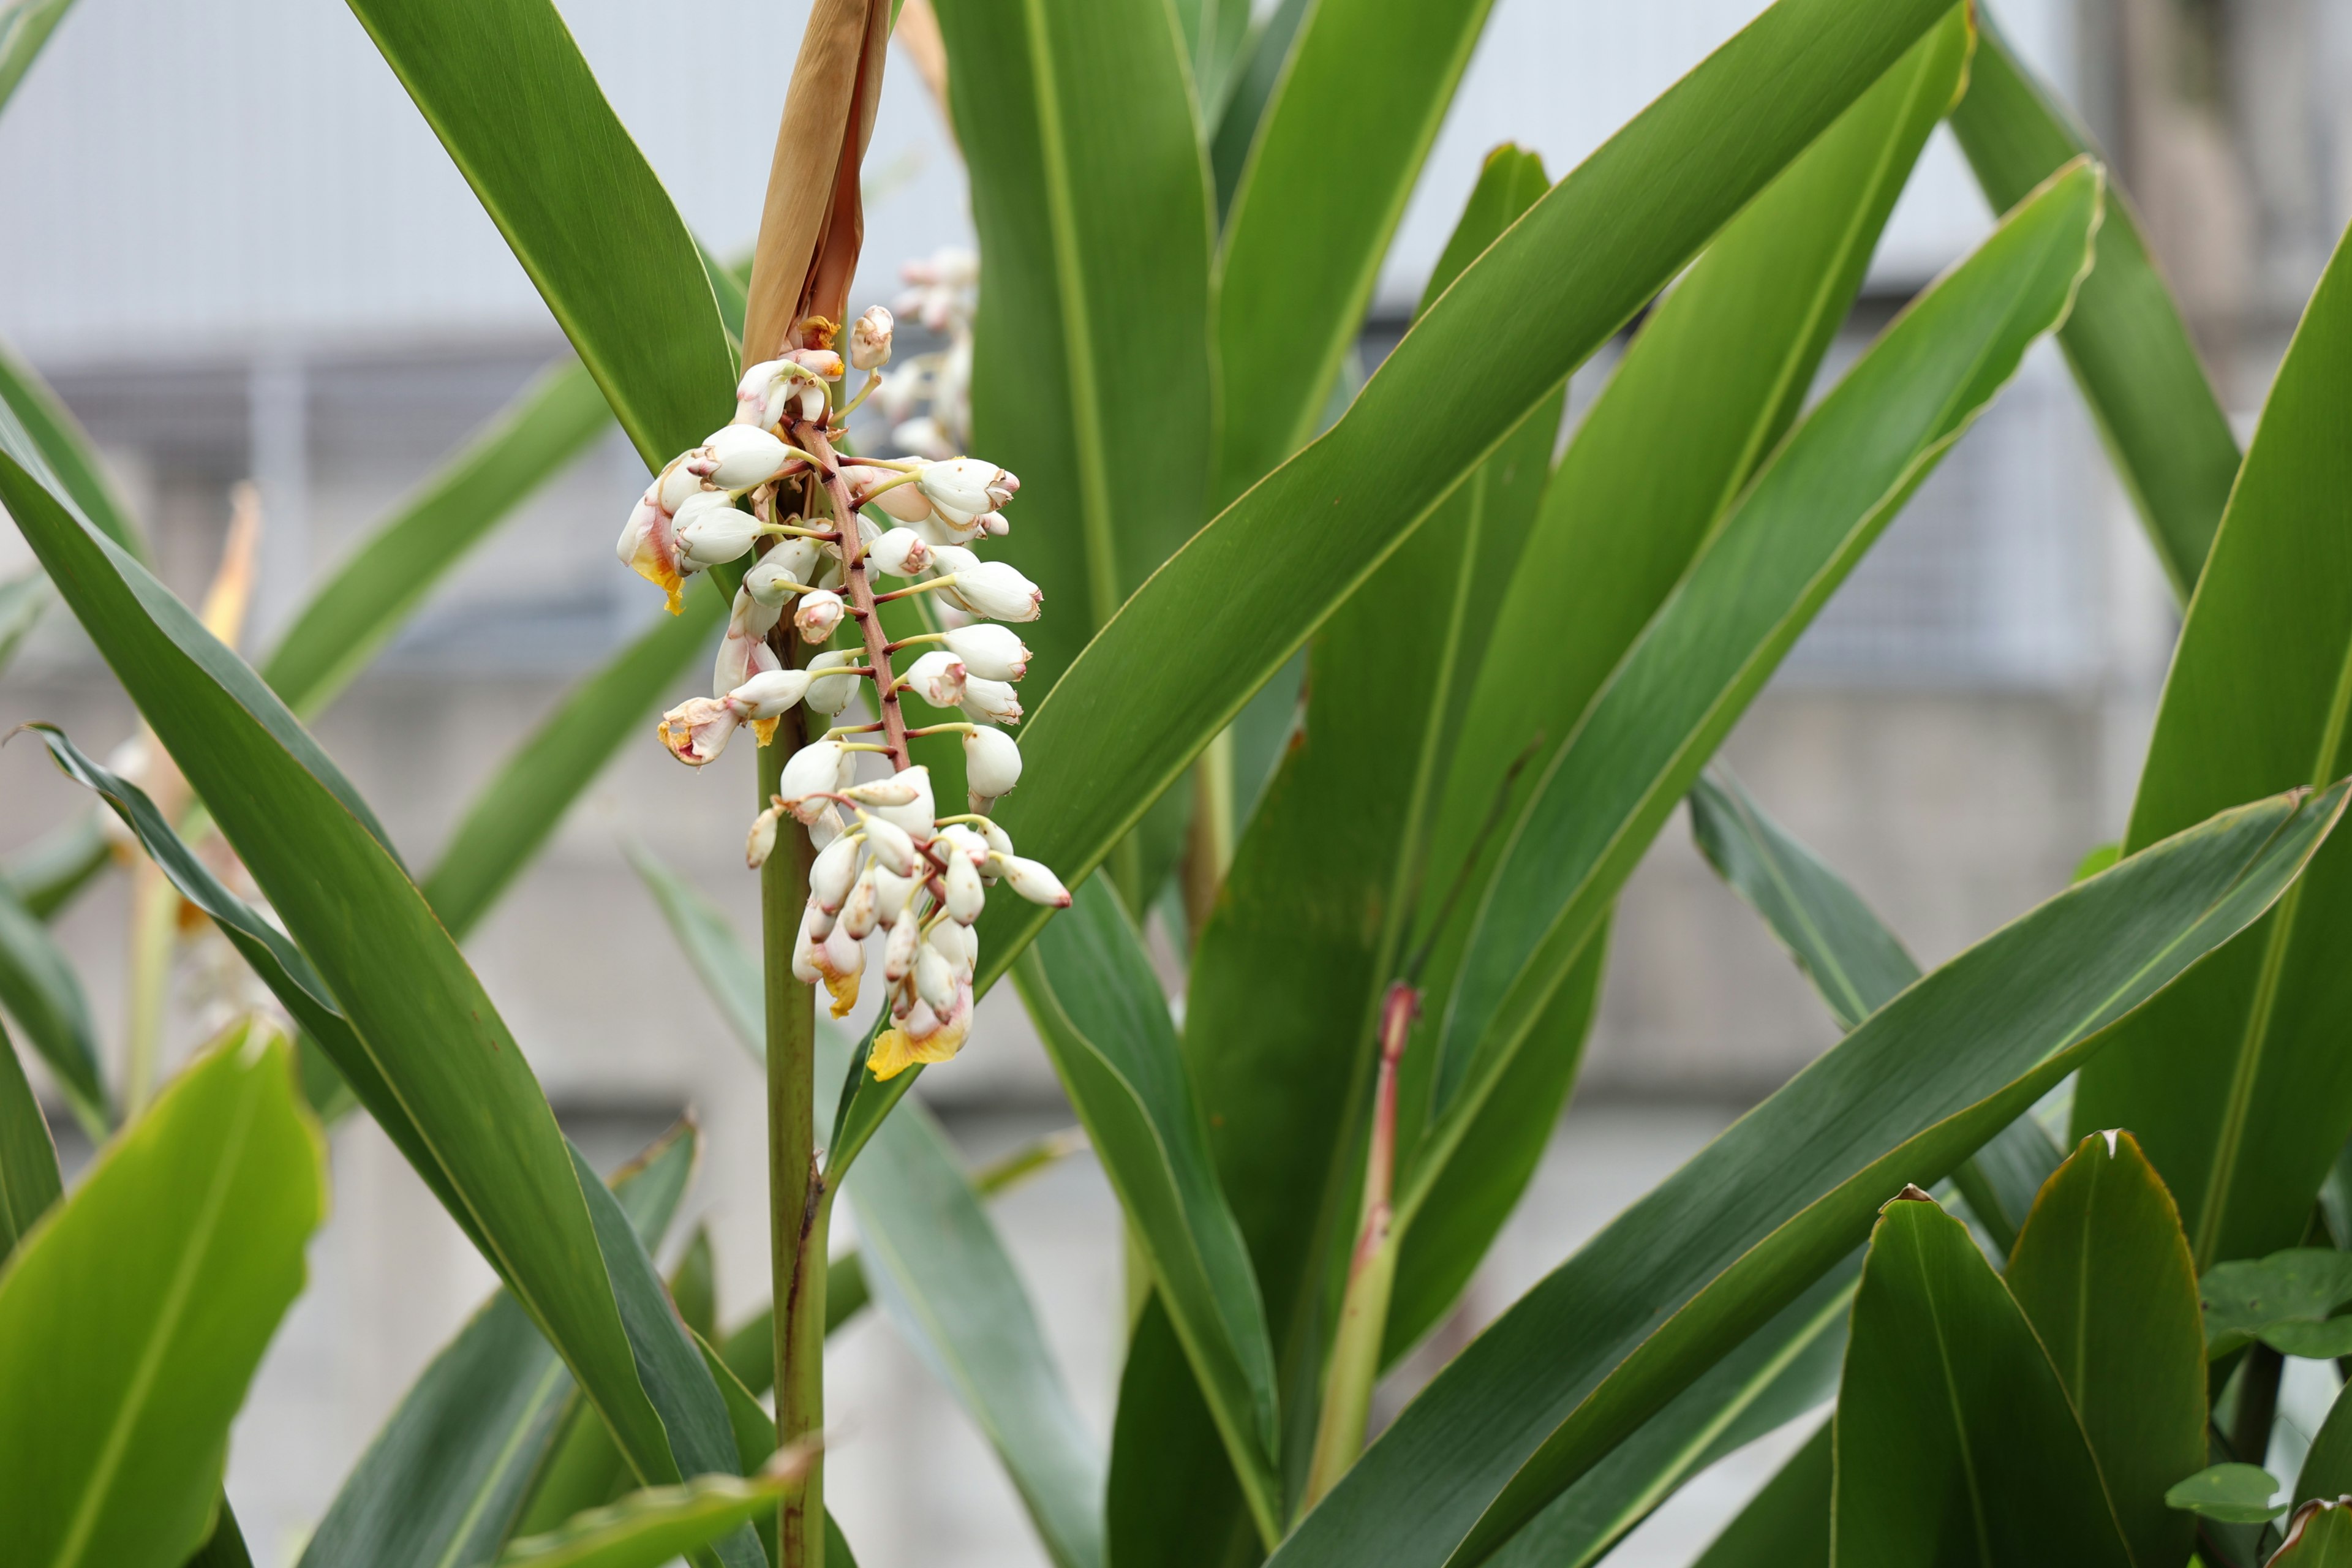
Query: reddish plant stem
858	589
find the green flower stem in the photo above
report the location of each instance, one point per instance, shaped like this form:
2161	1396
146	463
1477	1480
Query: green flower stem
154	936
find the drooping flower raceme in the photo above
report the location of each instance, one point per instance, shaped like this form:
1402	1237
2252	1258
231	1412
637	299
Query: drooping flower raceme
770	490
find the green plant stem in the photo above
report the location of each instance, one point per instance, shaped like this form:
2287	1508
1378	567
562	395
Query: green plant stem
154	922
2258	1391
1372	1272
1209	851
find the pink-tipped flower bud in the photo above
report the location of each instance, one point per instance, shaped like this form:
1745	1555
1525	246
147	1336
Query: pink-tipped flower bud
711	531
770	390
958	946
992	701
890	844
989	588
810	774
832	872
901	552
761	843
771	694
995	524
903	501
823	364
1033	880
966	897
963	490
938	678
697	729
782	573
913	814
991	652
869	339
992	763
738	457
892	892
935	979
860	911
819	614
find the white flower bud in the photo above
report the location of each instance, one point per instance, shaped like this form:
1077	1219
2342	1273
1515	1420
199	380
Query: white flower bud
860	909
839	962
991	652
992	763
810	773
739	458
956	838
824	363
771	694
782	573
1033	880
935	979
990	588
898	949
938	678
914	816
999	841
762	840
697	729
964	489
869	339
966	897
829	694
992	701
892	892
817	922
958	945
901	552
825	828
890	845
712	530
808	947
995	525
832	872
765	394
818	616
902	501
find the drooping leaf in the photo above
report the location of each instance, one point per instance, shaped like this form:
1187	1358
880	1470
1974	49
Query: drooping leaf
2287	1300
2319	1536
1090	356
1309	224
2102	1272
132	1319
442	1482
2126	343
29	1179
24	26
521	116
1227	611
2237	1085
394	999
1954	1439
1787	1524
346	622
1701	1262
649	1528
1090	989
1803	523
43	994
62	443
2234	1494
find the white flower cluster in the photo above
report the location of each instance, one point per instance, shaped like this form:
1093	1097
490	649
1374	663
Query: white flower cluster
941	293
893	866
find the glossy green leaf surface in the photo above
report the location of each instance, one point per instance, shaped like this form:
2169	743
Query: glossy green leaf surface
2237	1085
2286	1299
443	1481
29	1179
1090	357
43	996
1309	225
64	446
1185	653
2234	1494
1804	522
472	1120
24	26
1216	39
1787	1524
521	116
1954	1439
1099	1008
360	608
2320	1536
2129	349
649	1528
2327	1468
132	1319
525	801
1707	1257
2102	1272
1256	76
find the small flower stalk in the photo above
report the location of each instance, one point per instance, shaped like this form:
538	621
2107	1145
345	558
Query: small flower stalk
814	529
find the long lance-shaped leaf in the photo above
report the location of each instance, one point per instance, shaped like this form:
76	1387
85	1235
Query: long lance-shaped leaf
1091	376
2239	1087
65	447
1366	85
1954	1440
1805	520
649	1528
506	90
422	1045
934	1259
29	1178
47	873
359	609
442	1482
2129	349
1702	1261
1712	381
1238	123
41	992
1858	965
1099	1008
1787	1524
133	1318
24	26
1216	35
1184	655
23	600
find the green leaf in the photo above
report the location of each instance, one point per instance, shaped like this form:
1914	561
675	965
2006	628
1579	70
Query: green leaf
1335	156
133	1318
443	1481
408	1024
41	992
226	1547
2327	1468
1091	376
505	89
23	600
520	807
1786	1368
1787	1524
1707	1257
1955	1441
2126	343
1216	35
1802	525
2282	1299
346	622
2238	1085
649	1528
29	1179
62	443
2102	1272
2319	1536
48	872
1252	88
24	26
1099	1008
1228	609
2234	1494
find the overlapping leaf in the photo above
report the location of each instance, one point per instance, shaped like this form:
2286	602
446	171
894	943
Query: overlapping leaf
29	1179
43	994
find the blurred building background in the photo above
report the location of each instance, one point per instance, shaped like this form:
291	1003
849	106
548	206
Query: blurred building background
239	253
